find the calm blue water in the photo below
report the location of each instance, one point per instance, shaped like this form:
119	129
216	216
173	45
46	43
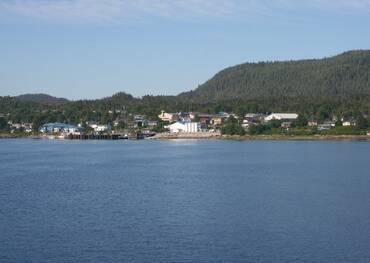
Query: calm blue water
184	201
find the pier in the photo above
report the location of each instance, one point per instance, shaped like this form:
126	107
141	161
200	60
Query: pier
115	136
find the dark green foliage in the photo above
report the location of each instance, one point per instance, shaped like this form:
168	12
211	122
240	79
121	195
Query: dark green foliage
274	124
362	123
343	77
121	125
338	123
160	127
272	127
300	122
259	129
322	88
232	127
299	132
41	98
337	86
3	124
344	131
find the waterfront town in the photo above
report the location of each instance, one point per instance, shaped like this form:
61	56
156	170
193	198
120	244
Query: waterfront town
196	125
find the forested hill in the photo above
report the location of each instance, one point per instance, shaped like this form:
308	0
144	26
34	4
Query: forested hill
41	98
323	87
343	76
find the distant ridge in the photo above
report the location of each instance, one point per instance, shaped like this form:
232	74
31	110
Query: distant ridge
41	98
342	76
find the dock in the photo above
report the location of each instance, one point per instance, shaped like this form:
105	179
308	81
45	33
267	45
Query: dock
97	137
115	136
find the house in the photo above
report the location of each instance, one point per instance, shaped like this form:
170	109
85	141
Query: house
312	123
170	117
100	128
16	125
139	117
184	127
26	127
323	127
281	116
348	123
193	115
219	119
326	125
58	127
72	131
247	123
286	124
140	121
224	114
152	124
184	116
331	123
252	119
205	118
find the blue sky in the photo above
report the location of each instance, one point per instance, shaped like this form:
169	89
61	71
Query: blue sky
94	48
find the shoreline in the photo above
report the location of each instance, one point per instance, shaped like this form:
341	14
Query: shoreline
217	136
11	136
265	137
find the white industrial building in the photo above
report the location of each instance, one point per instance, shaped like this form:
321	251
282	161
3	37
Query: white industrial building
100	128
184	127
281	116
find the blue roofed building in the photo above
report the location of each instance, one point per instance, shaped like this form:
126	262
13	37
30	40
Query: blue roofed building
57	127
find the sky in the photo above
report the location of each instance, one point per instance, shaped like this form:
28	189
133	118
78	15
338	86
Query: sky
85	49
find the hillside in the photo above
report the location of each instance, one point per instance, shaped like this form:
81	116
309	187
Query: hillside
338	85
340	77
41	98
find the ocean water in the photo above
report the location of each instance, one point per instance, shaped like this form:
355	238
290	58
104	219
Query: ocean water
184	201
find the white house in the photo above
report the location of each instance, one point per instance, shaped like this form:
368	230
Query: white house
247	123
184	127
72	131
170	117
349	123
100	128
58	127
281	116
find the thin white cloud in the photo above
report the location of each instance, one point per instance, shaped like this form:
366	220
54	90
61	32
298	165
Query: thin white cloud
117	11
353	5
113	10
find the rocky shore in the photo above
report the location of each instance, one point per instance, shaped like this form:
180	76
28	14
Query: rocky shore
207	135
